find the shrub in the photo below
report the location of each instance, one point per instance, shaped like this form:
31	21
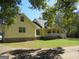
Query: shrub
53	36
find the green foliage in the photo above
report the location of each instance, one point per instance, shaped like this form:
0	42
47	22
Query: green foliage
62	15
74	29
43	32
66	7
50	14
38	4
9	9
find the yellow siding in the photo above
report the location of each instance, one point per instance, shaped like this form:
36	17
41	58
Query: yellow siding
13	30
0	28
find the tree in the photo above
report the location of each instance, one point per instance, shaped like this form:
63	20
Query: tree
38	4
66	7
8	10
63	16
74	31
49	14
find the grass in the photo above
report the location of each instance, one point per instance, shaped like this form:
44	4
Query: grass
44	43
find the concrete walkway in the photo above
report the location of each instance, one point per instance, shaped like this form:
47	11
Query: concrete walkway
70	52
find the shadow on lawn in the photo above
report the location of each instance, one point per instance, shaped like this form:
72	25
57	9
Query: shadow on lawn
16	41
75	39
49	38
71	39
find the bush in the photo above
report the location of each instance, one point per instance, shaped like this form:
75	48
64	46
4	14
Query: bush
73	33
54	36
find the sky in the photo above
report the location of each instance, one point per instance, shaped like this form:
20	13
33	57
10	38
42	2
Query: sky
32	13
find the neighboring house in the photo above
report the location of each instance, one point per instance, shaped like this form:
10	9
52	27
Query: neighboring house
22	29
40	25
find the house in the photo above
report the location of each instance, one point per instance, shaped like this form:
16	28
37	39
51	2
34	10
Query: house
22	29
43	31
40	25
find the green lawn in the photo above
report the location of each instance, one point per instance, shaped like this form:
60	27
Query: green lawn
44	44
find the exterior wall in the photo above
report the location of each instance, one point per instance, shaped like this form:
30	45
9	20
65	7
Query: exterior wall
13	30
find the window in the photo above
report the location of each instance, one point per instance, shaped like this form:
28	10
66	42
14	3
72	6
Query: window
45	24
22	19
37	32
22	29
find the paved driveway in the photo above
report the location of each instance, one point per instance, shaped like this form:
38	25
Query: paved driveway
4	48
71	53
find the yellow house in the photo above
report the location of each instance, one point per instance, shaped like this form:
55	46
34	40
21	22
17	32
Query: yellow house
22	29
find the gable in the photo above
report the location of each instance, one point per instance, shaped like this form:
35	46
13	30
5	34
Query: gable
26	19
